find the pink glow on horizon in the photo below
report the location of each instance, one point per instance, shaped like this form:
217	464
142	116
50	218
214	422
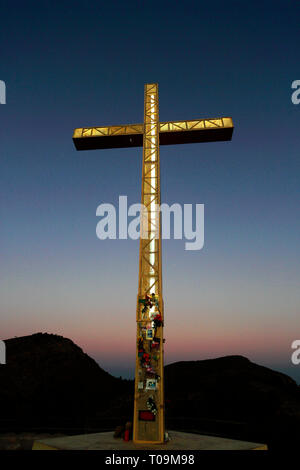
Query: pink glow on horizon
112	341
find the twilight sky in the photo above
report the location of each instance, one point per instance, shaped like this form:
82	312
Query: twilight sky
71	64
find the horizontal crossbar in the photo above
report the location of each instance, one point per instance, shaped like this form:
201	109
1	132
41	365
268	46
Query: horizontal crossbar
170	133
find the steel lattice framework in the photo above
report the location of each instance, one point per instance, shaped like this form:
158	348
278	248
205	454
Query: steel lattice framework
173	132
149	412
150	276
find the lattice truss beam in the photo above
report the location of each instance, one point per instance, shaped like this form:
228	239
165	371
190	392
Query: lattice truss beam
149	244
173	132
150	276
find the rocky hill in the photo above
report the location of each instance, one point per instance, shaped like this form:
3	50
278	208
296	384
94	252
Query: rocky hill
50	382
233	396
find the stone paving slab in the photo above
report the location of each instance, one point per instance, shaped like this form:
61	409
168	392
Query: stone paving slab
178	441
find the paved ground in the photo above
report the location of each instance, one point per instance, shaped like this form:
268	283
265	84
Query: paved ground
178	441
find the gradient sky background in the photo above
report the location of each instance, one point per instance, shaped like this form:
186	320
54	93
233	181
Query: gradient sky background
72	64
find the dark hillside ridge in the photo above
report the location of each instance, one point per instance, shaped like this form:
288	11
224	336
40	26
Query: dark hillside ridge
49	383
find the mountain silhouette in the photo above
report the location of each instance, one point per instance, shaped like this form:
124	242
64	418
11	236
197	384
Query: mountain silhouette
48	382
233	396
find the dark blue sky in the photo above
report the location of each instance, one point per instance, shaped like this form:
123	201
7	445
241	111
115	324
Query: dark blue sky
73	64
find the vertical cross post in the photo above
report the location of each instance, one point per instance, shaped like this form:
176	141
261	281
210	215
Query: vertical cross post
149	418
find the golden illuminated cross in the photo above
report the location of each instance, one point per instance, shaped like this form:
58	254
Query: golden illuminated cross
149	419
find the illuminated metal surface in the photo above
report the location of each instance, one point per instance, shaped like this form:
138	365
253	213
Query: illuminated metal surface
170	133
151	135
150	278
